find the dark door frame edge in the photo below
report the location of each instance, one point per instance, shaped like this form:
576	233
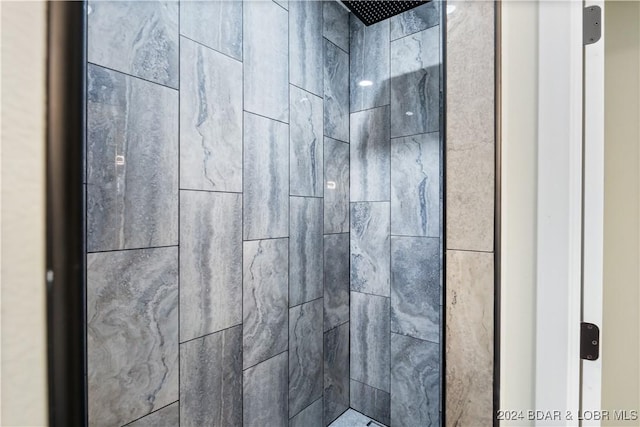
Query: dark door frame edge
65	261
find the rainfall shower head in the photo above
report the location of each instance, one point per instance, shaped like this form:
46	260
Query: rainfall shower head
373	11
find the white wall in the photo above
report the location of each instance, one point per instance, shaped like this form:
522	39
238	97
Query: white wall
620	325
23	357
519	175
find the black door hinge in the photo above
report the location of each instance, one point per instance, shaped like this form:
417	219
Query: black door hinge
591	24
589	341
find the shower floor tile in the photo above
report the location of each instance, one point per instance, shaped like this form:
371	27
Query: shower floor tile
352	418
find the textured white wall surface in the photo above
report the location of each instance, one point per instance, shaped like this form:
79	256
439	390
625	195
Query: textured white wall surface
23	356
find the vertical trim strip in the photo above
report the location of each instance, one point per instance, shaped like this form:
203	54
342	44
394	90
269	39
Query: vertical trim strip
65	262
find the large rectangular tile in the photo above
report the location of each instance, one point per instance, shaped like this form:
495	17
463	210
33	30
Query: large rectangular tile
415	383
211	380
132	162
210	119
370	248
311	416
305	250
336	24
305	45
264	302
415	83
369	57
306	142
414	20
264	399
336	92
336	372
336	192
214	23
336	279
168	416
469	338
138	38
370	352
266	59
470	141
370	155
210	262
266	178
132	353
416	287
305	355
415	185
372	402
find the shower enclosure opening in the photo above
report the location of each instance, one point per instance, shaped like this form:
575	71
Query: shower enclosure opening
264	214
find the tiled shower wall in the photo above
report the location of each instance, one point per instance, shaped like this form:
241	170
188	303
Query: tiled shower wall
395	215
217	183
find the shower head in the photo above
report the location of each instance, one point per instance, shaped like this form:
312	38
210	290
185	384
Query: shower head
372	11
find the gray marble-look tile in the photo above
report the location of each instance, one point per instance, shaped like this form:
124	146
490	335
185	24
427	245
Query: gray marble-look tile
210	119
370	352
336	24
369	57
169	416
370	248
311	416
415	185
372	402
336	279
415	83
336	192
415	382
305	44
138	38
210	262
370	155
469	338
305	355
132	333
265	388
211	380
264	303
266	178
336	372
470	126
214	23
305	250
266	59
132	162
336	92
306	146
414	20
415	287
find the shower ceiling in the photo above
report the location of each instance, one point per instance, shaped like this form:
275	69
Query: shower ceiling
373	11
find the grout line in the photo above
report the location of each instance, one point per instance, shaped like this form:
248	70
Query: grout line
210	333
135	77
179	212
371	108
307	91
211	191
267	359
266	238
333	43
260	115
210	48
131	249
306	302
152	412
469	250
434	132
